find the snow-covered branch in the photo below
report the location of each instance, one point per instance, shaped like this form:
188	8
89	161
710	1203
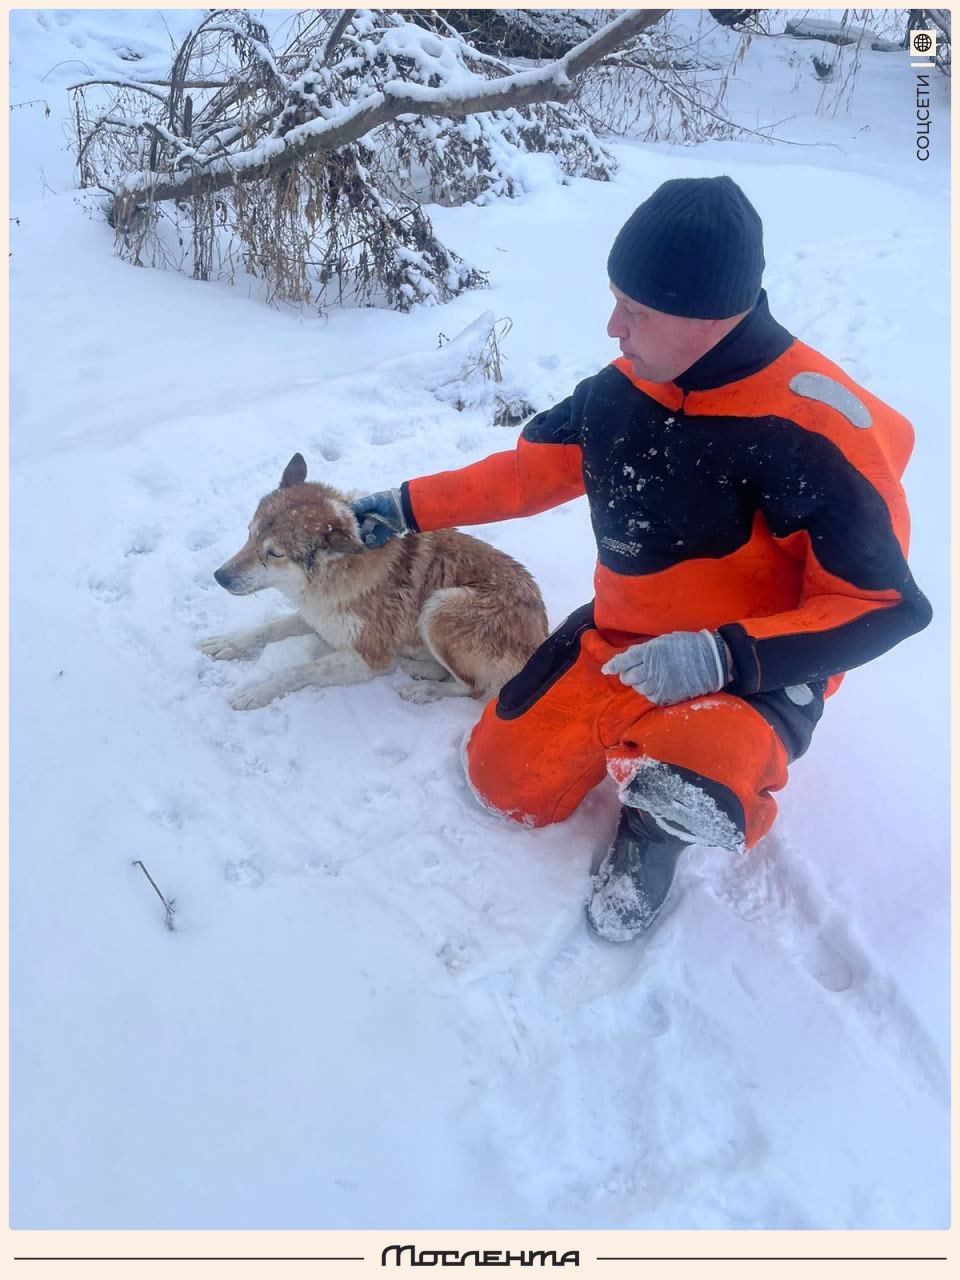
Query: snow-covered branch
273	156
311	168
333	40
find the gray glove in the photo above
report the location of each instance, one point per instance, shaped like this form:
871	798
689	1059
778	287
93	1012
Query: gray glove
380	517
674	667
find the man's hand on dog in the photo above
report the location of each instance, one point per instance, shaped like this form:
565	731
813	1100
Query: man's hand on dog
674	667
379	517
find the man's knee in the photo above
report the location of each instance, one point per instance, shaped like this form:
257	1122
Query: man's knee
535	752
526	780
492	786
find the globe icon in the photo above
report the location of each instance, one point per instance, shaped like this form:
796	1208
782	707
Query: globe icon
922	43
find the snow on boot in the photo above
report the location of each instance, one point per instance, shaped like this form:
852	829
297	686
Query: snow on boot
633	880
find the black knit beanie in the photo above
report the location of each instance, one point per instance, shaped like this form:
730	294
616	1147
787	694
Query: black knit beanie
694	248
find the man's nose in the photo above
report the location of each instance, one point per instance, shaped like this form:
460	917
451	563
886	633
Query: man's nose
615	326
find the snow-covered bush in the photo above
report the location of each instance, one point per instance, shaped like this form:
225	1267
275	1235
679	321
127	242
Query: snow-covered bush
473	373
450	160
238	165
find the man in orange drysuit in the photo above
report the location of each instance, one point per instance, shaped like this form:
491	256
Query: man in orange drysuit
752	538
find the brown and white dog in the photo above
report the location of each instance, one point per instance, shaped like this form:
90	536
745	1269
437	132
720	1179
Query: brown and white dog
449	609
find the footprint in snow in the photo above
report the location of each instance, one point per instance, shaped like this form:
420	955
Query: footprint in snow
583	967
109	588
830	957
245	874
155	481
201	539
770	888
457	955
764	887
143	542
384	433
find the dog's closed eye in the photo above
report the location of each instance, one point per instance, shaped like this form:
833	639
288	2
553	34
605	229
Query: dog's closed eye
276	555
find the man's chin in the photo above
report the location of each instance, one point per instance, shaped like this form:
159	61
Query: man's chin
644	371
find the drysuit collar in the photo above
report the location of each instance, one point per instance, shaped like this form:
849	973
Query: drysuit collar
756	342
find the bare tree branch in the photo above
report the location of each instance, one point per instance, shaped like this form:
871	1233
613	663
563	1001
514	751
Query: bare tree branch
122	84
941	19
330	47
144	85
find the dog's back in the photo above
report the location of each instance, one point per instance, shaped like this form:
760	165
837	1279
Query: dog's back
474	608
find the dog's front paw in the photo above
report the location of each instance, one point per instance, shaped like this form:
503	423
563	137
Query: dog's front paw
228	648
254	696
423	692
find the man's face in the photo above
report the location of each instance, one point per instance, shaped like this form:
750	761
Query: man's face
659	346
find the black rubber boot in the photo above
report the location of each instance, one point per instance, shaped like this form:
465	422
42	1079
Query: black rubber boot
634	878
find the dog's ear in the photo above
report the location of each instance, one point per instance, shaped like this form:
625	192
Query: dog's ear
295	472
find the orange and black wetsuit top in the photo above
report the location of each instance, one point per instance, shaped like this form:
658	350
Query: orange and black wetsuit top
758	495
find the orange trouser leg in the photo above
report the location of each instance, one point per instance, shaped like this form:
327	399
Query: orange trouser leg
536	765
718	738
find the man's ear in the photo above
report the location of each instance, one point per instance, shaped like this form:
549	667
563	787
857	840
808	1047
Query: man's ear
295	472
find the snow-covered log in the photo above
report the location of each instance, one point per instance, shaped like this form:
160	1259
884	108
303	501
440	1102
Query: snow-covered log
832	32
841	33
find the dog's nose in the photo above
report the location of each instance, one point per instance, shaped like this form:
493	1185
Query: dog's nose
222	578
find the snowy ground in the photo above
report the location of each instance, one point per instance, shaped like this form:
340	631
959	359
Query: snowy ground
378	1007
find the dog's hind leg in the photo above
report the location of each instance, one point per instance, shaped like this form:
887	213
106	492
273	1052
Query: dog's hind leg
464	630
422	668
342	667
247	644
431	680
